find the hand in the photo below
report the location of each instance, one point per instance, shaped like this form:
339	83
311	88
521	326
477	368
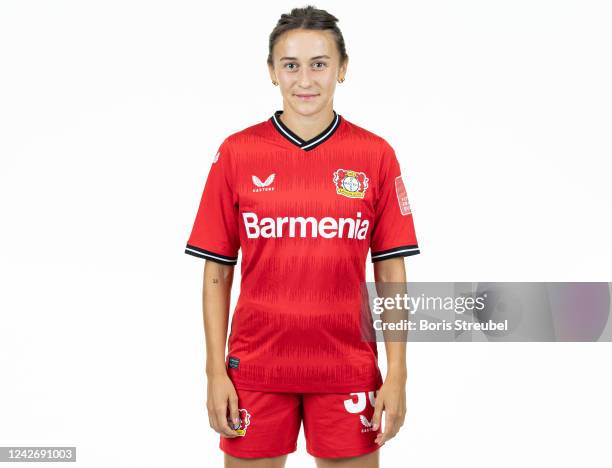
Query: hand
221	397
391	397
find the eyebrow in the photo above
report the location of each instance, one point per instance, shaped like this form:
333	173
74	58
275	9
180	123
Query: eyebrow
312	58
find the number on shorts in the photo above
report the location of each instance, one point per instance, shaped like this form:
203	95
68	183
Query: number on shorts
357	403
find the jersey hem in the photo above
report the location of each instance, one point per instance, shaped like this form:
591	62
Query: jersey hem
326	388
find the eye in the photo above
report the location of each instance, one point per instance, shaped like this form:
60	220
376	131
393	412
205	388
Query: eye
323	65
290	63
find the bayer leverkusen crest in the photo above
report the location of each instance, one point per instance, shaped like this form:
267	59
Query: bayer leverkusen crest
351	184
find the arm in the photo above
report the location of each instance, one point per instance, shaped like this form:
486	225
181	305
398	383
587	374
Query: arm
221	395
392	394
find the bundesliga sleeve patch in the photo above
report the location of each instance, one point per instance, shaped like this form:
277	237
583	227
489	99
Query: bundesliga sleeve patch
402	196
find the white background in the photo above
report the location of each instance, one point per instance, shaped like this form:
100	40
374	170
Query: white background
110	115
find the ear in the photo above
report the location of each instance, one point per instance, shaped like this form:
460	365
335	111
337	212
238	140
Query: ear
343	67
272	73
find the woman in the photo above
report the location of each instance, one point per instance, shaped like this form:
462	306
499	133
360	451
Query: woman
304	195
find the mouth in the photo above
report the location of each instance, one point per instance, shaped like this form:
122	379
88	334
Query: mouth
306	97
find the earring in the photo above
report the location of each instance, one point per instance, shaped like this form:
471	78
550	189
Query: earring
341	80
274	83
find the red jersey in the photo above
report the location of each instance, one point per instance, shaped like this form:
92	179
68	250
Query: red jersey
304	215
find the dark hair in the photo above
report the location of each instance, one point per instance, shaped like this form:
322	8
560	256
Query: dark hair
312	18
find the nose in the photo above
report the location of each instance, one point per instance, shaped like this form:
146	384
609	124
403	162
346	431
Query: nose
304	78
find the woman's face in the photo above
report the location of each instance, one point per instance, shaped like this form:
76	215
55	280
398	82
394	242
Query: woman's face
306	67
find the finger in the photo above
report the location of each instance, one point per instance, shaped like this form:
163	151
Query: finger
378	409
383	436
390	427
402	419
234	414
211	416
221	420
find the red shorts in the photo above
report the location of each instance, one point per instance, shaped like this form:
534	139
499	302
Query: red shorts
335	424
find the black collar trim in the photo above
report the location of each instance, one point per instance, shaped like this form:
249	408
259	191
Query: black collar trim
296	140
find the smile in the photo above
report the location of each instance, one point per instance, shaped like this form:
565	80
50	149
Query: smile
306	97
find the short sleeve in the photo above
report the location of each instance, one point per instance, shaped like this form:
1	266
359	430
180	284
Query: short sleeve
215	230
393	234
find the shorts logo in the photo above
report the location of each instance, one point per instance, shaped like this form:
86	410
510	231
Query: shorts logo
402	196
263	186
366	423
351	184
245	420
357	404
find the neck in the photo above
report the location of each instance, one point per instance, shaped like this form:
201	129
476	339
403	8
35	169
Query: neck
307	126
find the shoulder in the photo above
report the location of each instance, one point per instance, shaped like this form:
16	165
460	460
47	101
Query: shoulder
366	137
239	145
247	135
383	154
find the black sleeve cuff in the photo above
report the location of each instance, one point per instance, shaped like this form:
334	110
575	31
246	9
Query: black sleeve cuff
208	255
401	251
